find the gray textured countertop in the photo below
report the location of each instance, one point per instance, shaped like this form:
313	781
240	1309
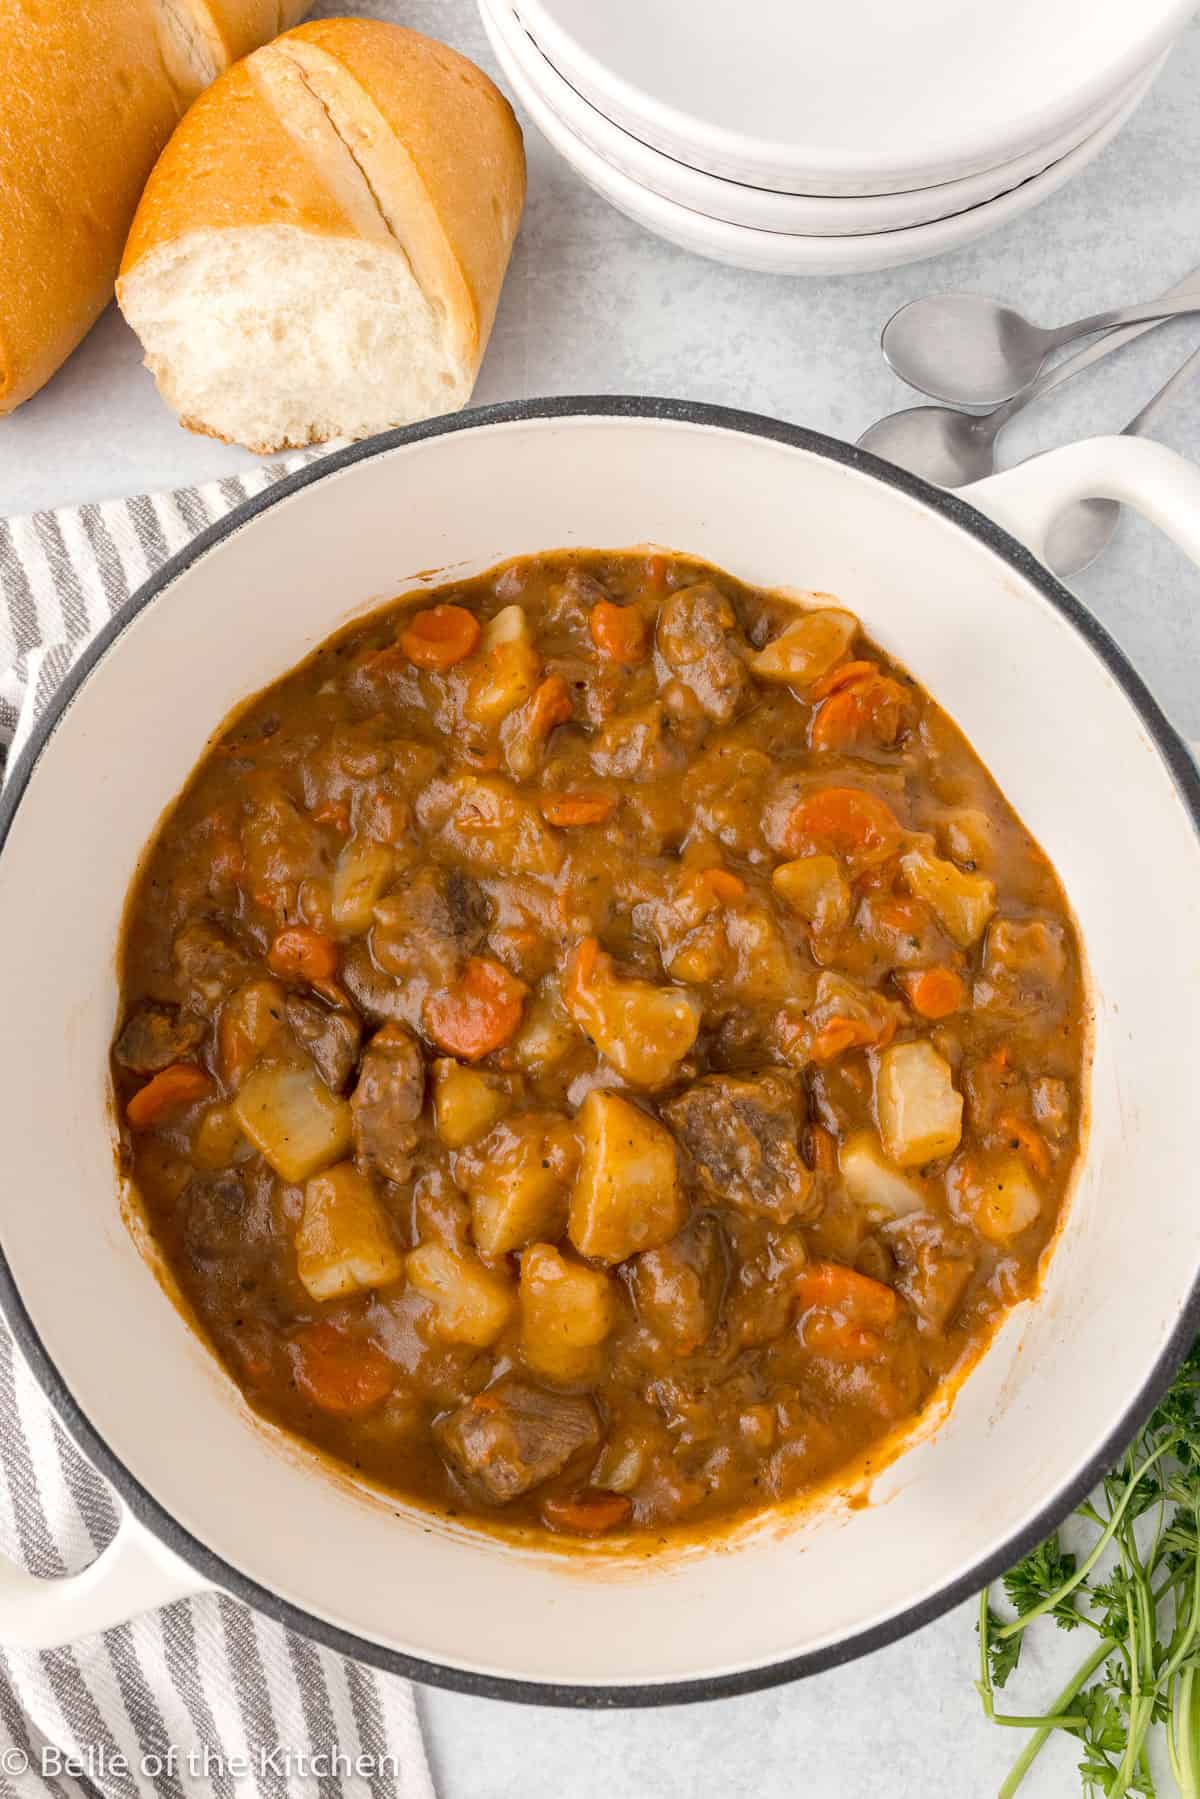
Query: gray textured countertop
595	305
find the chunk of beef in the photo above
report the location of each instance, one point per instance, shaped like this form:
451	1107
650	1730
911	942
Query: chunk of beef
742	1138
426	927
208	961
570	601
387	1102
935	1263
226	1219
597	684
513	1436
282	845
332	1039
677	1288
1024	964
378	996
694	631
637	746
156	1036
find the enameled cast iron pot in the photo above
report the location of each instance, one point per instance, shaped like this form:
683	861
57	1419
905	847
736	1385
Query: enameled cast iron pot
211	1496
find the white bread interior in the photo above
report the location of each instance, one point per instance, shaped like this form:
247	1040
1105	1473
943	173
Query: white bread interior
191	52
320	249
274	338
90	92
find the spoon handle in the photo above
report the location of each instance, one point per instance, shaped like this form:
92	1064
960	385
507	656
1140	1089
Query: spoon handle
1122	315
1141	423
1188	288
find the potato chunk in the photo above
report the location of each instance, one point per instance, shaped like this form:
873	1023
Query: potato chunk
498	831
808	649
344	1242
997	1197
627	1196
517	1183
643	1029
567	1310
293	1120
218	1138
547	1035
471	1303
251	1028
363	872
507	671
873	1183
962	903
466	1102
509	625
815	887
920	1113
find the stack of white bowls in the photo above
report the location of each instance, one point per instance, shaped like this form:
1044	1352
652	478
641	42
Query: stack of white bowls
824	139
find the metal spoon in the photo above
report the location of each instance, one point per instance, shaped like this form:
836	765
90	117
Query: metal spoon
952	448
972	350
1079	534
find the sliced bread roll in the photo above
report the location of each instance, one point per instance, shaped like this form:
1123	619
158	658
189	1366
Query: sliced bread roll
320	249
203	38
89	93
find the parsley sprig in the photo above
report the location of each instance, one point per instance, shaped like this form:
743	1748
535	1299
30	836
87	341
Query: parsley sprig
1135	1591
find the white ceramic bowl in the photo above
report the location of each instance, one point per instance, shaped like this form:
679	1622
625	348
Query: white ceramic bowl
766	209
211	1494
790	253
855	98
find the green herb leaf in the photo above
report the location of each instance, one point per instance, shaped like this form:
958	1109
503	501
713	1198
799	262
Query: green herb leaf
1135	1585
1041	1573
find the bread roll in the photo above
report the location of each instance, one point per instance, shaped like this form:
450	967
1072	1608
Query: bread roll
90	91
320	249
203	38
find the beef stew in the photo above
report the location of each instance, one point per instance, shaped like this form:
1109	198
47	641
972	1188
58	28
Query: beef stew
597	1051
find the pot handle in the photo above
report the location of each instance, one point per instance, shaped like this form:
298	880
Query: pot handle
1161	485
135	1573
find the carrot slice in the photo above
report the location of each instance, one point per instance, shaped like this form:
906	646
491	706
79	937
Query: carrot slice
568	809
842	1342
548	705
835	1288
934	992
588	1513
340	1373
618	632
440	636
171	1090
855	823
842	1033
479	1013
722	883
582	970
300	953
901	914
840	677
870	710
1027	1139
708	888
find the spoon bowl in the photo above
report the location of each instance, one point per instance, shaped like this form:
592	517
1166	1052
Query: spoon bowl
975	352
943	446
964	347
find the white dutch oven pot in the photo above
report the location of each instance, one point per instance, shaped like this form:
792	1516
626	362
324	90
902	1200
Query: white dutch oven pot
213	1497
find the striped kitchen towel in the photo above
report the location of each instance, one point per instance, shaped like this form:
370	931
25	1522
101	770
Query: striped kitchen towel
251	1710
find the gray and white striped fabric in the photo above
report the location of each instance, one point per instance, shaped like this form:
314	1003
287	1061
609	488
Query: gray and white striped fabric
205	1697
